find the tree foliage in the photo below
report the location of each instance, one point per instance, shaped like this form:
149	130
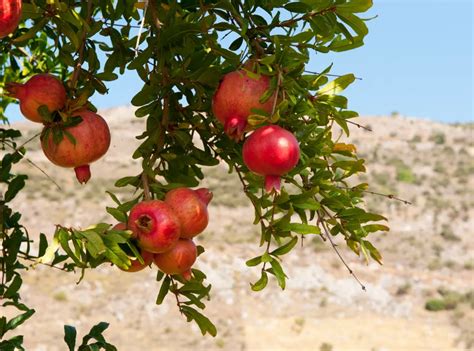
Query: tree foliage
180	50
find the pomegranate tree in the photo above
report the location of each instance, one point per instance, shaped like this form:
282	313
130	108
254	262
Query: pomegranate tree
10	15
39	90
236	96
79	144
271	151
190	206
154	225
180	57
179	259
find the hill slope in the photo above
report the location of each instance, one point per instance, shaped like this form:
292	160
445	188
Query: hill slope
427	254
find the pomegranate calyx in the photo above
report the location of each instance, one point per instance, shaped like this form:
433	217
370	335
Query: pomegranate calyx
272	183
187	275
15	90
204	194
144	223
234	127
83	173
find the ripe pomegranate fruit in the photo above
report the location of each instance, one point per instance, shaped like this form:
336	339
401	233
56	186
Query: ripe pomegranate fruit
41	89
92	140
190	206
271	151
179	259
10	15
154	225
135	263
236	95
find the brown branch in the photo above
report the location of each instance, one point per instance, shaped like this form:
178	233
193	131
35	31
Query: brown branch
146	187
154	15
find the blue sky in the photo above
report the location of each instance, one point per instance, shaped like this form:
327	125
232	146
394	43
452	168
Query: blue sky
417	60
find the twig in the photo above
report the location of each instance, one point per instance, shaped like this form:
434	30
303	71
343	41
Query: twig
174	290
334	246
329	75
35	165
24	257
80	60
141	28
390	196
359	125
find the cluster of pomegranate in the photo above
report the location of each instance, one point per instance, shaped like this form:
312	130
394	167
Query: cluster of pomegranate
163	230
84	143
10	15
270	151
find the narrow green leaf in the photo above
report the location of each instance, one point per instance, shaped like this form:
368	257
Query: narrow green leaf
279	274
261	283
337	85
70	334
165	287
202	321
284	249
14	287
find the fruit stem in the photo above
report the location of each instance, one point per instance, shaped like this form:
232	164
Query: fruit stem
83	173
234	127
272	183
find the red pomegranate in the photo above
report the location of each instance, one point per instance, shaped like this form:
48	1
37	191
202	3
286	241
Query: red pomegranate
179	259
271	151
92	140
10	15
135	263
41	89
234	99
154	225
190	206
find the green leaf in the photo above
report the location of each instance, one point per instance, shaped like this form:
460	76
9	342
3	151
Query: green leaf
354	6
202	321
374	253
50	251
337	85
18	320
261	283
16	184
302	228
13	288
254	261
126	181
117	214
284	249
355	23
70	334
94	244
31	32
163	290
298	7
277	270
371	228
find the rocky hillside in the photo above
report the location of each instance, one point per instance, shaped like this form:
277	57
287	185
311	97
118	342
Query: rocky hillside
421	299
